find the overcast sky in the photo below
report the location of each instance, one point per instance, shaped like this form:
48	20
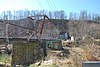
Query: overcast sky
66	5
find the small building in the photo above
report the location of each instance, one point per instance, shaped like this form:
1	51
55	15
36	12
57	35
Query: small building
63	35
91	64
26	52
54	44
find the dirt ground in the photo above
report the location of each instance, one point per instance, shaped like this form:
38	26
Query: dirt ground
72	56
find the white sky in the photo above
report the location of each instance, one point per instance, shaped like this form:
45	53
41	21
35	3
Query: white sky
66	5
17	4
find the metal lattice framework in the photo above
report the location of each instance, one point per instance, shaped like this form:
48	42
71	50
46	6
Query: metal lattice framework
36	27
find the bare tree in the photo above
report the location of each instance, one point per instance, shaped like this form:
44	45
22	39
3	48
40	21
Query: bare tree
9	15
26	13
89	17
93	17
70	16
62	14
32	12
5	16
50	15
83	15
75	16
21	14
55	14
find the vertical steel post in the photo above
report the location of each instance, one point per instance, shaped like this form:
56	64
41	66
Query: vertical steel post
7	38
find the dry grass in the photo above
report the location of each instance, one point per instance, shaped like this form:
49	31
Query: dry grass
5	60
87	51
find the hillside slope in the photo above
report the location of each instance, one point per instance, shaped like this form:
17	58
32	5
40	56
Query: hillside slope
79	28
76	28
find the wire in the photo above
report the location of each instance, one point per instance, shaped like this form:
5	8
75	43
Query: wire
39	3
49	4
54	4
